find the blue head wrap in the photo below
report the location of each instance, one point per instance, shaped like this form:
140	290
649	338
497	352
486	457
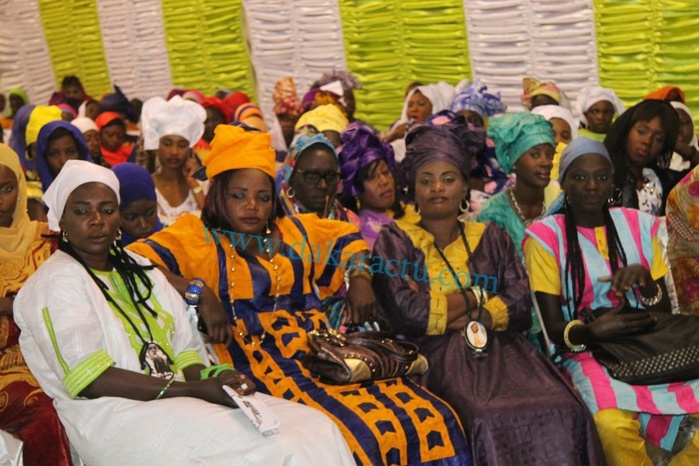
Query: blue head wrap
42	145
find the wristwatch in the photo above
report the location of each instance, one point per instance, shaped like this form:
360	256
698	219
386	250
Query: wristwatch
193	293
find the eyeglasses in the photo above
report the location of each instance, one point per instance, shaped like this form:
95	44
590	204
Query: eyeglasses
312	177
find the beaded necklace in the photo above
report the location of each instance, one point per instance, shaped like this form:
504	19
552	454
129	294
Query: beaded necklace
518	211
246	339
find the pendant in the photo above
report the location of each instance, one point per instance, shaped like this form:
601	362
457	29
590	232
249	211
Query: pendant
156	360
476	336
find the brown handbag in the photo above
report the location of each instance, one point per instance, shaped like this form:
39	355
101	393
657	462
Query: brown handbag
345	359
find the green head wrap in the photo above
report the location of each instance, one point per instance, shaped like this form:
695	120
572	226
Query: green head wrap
515	133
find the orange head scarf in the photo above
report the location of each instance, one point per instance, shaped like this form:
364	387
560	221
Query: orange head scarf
233	148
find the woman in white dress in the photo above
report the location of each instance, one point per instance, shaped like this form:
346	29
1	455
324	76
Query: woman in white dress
110	341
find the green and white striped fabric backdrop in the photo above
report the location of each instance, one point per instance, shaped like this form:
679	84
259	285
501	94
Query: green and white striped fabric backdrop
149	46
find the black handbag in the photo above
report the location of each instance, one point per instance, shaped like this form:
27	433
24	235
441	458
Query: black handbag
667	352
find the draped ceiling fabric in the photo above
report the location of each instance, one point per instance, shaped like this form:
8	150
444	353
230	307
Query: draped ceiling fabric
299	38
149	46
134	43
392	43
646	44
547	39
24	57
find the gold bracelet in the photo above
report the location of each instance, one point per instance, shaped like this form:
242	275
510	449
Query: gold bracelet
566	338
167	385
649	302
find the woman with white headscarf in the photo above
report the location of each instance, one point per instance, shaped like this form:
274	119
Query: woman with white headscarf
172	128
110	341
420	103
597	107
685	155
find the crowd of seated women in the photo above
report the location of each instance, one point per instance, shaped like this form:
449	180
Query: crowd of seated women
116	213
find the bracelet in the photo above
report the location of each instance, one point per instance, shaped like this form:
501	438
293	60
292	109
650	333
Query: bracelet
480	294
215	371
649	302
193	293
566	334
167	385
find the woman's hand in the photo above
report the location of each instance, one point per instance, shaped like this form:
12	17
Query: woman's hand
398	132
616	323
211	390
361	300
625	278
218	328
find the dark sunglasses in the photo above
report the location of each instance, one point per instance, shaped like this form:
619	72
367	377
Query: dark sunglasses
312	177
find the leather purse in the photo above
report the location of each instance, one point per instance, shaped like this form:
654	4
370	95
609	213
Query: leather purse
667	352
344	359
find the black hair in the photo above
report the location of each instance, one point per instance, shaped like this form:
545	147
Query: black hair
128	269
214	215
352	202
617	137
71	80
574	266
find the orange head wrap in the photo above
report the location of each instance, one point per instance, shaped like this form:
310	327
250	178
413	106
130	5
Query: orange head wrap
233	148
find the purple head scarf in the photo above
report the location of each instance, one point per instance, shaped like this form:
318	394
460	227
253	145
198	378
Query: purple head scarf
360	148
18	139
135	184
117	102
42	145
455	144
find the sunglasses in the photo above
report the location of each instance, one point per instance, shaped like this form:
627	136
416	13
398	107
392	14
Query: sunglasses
313	177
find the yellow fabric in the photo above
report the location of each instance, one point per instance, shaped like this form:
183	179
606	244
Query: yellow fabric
619	432
16	239
646	44
78	52
553	189
582	132
234	148
390	43
544	274
442	282
325	117
206	45
41	115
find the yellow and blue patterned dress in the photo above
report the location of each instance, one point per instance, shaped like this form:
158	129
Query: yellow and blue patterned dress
274	304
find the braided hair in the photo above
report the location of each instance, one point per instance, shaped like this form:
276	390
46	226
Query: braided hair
574	267
128	269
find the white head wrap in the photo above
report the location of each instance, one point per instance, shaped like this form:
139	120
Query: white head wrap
440	94
82	110
590	95
682	106
73	174
556	111
84	124
174	117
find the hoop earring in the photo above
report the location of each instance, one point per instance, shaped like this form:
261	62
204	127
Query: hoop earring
416	209
466	203
118	236
64	236
290	192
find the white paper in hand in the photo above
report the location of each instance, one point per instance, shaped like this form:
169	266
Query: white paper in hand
258	412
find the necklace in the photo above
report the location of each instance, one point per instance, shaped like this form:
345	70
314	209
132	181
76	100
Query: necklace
248	339
518	210
475	334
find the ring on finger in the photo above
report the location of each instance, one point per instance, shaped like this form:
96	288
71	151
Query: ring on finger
244	386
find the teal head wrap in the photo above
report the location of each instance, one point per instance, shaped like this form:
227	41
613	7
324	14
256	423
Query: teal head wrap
515	133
